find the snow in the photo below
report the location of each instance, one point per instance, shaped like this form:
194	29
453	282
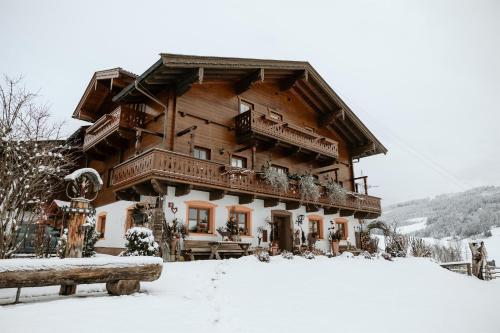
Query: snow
7	265
61	203
245	295
77	173
413	225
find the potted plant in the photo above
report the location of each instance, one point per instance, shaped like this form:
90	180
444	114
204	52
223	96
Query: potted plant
230	231
334	236
174	231
308	188
335	192
272	176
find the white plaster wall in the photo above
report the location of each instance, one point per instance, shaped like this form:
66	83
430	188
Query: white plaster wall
114	234
116	213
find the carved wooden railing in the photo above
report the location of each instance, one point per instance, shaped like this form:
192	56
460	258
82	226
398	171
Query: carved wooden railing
121	117
186	169
252	121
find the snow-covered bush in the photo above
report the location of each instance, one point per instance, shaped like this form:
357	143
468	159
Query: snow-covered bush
140	242
308	255
418	248
386	256
287	254
450	253
61	244
91	237
347	254
365	255
308	188
396	245
263	256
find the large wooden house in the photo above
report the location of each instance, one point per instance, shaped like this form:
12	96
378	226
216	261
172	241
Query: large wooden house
198	131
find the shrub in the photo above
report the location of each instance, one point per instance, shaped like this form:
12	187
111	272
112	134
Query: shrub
61	244
418	248
308	188
91	237
335	192
140	242
308	255
263	256
278	180
396	245
287	255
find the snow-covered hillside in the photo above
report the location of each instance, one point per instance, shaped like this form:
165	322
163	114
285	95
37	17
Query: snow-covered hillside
299	295
465	214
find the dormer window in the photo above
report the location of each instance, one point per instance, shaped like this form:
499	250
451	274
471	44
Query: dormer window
245	106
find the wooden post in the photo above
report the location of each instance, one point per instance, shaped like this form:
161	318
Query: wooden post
76	235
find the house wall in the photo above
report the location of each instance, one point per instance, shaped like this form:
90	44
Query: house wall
116	213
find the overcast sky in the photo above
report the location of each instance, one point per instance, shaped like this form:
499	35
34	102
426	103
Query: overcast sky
424	76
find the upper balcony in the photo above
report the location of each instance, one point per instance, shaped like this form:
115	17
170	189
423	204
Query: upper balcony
119	124
252	125
152	171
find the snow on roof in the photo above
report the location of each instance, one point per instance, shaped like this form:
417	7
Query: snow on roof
7	265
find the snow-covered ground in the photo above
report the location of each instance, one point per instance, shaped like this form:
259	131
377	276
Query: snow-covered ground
415	224
245	295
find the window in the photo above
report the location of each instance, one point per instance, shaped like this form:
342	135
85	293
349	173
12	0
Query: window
201	153
275	116
315	225
280	169
200	217
245	106
243	216
342	226
239	162
101	225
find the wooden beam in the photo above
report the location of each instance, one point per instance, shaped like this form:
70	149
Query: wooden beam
330	210
159	187
184	84
359	151
183	189
143	188
288	83
291	205
127	195
311	208
346	212
246	199
360	215
328	168
271	202
327	118
217	195
245	83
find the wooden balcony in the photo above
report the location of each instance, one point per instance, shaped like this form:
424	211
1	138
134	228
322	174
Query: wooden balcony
115	126
252	125
141	173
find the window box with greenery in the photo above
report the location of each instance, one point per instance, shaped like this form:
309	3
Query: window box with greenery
335	192
275	176
308	188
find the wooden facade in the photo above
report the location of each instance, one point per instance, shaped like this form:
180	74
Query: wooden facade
148	132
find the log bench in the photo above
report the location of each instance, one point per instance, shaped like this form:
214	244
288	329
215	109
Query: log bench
122	275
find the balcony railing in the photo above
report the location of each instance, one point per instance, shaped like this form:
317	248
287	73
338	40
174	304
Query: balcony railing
174	167
121	117
253	123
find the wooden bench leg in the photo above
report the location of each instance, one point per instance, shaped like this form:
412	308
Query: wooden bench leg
67	289
18	293
123	287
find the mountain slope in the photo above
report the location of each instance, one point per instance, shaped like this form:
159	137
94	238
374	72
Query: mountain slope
465	214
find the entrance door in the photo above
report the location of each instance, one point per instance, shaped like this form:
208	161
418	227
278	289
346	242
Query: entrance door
283	231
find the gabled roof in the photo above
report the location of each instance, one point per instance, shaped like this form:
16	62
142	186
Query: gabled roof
98	90
181	71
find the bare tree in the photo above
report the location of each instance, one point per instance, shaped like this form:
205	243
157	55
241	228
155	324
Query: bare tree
34	160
